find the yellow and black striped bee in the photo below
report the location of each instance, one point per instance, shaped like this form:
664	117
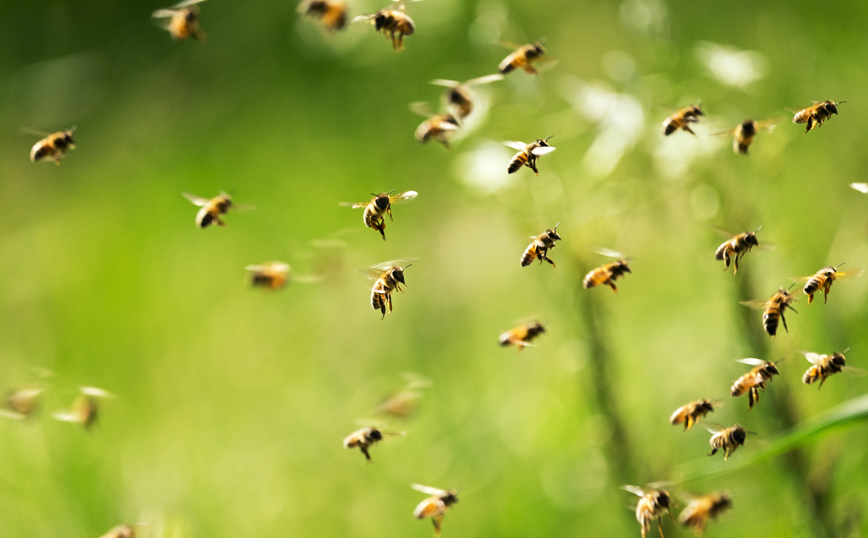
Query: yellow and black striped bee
211	208
459	97
121	531
437	127
53	146
331	13
528	154
824	278
727	439
822	366
652	503
522	336
682	119
817	114
691	413
389	276
270	275
736	247
85	408
181	20
522	58
754	380
364	438
745	132
21	403
773	310
540	247
381	205
434	506
607	274
393	23
700	510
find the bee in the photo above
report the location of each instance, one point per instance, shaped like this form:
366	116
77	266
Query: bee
522	58
817	114
211	209
773	310
652	503
22	403
745	132
682	119
824	279
434	506
365	438
182	20
381	205
437	127
121	531
271	275
393	23
701	509
607	274
727	439
390	277
522	335
691	413
540	247
331	13
85	408
528	154
754	380
459	97
822	366
53	146
403	403
736	247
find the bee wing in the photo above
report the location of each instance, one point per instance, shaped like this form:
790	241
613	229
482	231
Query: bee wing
848	274
66	416
422	108
96	392
800	279
444	82
769	124
812	357
382	266
723	233
510	45
853	371
514	144
609	252
751	361
354	205
754	304
635	490
428	489
714	427
861	187
403	197
487	79
11	415
163	13
725	133
185	3
543	150
34	132
448	126
197	200
361	18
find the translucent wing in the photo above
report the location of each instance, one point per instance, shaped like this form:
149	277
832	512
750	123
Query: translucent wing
725	133
723	233
751	361
403	197
11	415
198	200
487	79
515	144
361	18
382	266
444	82
543	150
354	205
163	13
800	279
812	357
635	490
848	274
448	126
609	252
67	416
96	392
852	371
769	124
186	3
759	305
422	108
861	187
428	489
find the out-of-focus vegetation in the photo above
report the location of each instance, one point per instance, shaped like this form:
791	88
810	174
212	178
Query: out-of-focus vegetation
232	402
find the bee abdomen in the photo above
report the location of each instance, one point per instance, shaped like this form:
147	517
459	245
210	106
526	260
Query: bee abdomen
517	162
770	322
813	285
738	388
529	255
721	251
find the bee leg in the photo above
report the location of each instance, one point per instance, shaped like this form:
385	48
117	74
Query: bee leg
611	284
660	525
365	452
688	129
811	298
713	452
784	320
437	520
826	296
752	396
531	70
735	264
810	124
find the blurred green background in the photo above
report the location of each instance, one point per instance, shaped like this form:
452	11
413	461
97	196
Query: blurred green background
232	402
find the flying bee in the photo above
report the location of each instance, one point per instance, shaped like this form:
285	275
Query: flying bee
754	380
381	205
773	310
434	506
181	20
607	274
270	275
652	503
403	404
823	279
393	23
745	132
822	366
53	146
727	439
817	114
700	510
85	408
523	58
364	438
691	413
21	403
682	119
211	209
522	335
331	13
391	275
437	127
735	247
459	97
540	247
528	154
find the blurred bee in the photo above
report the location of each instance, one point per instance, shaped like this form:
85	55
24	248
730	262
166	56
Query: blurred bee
727	439
817	114
331	13
822	366
528	154
736	247
403	403
824	279
390	277
22	403
459	97
270	275
181	20
381	205
861	187
773	310
540	247
437	127
691	413
211	209
121	531
85	408
652	503
435	505
745	132
393	23
365	438
700	510
53	146
754	380
522	335
607	274
682	120
522	58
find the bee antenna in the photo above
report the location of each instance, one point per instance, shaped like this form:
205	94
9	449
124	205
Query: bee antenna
556	226
549	136
846	350
840	264
782	359
391	191
841	102
758	229
74	127
791	285
408	265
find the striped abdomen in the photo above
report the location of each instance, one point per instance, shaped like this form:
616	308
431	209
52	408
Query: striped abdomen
530	254
771	318
520	159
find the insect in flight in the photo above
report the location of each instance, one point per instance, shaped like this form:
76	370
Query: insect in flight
652	503
540	247
745	132
459	97
682	119
211	208
364	438
691	413
21	403
439	127
700	510
270	275
392	22
727	439
522	58
403	404
377	209
332	14
773	309
181	20
528	154
822	366
735	247
522	336
434	506
607	274
817	114
85	408
754	380
53	146
389	276
824	278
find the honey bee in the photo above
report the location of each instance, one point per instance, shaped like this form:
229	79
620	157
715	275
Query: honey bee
22	403
745	132
85	408
522	58
381	205
211	209
181	20
437	127
691	413
522	335
121	531
736	247
331	13
270	275
364	438
822	366
773	310
754	380
434	506
393	23
459	97
682	120
540	247
528	154
817	114
727	439
607	274
652	503
403	403
700	510
390	277
53	146
824	279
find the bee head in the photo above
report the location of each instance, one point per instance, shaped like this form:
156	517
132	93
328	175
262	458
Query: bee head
398	273
838	360
375	434
539	47
623	265
662	499
831	107
382	201
191	15
381	19
739	434
553	233
772	369
316	6
451	497
537	326
750	239
545	143
748	127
